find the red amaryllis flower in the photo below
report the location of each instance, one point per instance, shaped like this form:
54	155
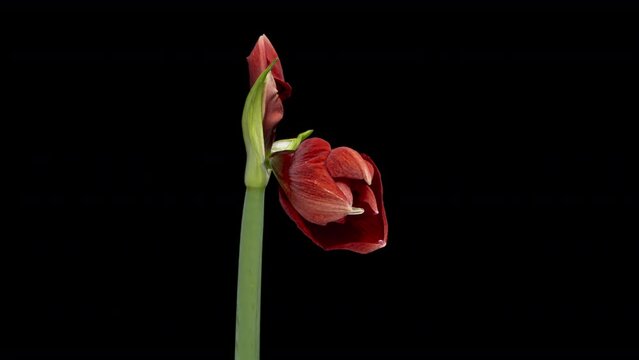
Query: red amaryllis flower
276	89
334	196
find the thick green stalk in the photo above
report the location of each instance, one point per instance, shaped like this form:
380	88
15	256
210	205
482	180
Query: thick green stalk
247	326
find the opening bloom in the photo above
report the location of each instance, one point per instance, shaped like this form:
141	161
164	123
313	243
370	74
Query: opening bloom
334	196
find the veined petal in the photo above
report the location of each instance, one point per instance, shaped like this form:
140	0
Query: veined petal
307	184
346	190
348	163
362	233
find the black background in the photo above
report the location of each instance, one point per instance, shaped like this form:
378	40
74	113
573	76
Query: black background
503	133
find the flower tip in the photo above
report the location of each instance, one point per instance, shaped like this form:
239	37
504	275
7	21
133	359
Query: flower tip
368	178
305	134
355	211
263	38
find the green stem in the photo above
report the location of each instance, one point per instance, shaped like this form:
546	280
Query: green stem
247	326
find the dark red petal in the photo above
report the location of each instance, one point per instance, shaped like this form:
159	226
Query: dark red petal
308	185
364	195
378	190
284	89
348	163
359	233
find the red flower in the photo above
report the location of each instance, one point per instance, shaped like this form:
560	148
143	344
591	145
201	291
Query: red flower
276	88
334	196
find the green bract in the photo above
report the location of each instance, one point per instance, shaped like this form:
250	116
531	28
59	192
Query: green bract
290	144
256	174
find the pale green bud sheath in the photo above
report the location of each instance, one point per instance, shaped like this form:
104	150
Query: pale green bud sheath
256	174
290	144
249	281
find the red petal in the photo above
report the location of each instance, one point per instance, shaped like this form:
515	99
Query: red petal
349	195
364	195
262	55
360	233
348	163
308	185
276	89
273	111
346	190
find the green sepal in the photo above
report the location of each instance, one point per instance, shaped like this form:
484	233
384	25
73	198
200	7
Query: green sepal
256	174
290	144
